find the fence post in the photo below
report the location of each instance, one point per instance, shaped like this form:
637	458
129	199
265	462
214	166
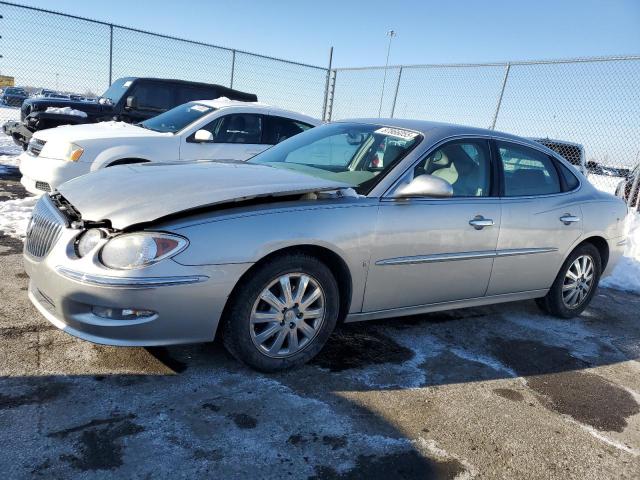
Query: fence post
233	65
110	55
634	194
395	96
332	90
326	85
504	84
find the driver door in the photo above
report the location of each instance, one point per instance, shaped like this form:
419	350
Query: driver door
428	250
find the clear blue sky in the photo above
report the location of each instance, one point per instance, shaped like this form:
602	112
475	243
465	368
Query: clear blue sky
428	31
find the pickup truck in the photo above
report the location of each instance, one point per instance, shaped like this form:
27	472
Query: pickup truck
129	99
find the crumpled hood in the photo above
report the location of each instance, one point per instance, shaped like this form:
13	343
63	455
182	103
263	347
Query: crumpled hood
95	131
132	194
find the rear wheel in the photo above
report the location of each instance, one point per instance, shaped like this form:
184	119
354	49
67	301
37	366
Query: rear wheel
284	313
575	285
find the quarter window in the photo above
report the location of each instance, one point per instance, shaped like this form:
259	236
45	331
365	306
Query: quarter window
464	164
570	180
527	171
278	129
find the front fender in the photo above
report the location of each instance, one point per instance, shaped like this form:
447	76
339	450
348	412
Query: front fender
346	231
109	155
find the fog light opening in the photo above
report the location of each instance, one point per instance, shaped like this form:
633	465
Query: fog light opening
122	313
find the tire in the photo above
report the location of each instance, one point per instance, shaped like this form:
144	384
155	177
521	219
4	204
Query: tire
287	342
559	301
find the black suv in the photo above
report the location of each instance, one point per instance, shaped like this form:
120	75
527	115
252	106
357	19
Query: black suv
128	99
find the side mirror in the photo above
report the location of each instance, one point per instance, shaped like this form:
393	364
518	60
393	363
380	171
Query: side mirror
203	136
425	186
132	103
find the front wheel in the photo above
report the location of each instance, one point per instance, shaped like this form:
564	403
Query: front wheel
283	314
575	285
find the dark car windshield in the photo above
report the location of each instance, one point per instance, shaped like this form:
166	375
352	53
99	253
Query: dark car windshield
354	153
117	89
177	118
15	91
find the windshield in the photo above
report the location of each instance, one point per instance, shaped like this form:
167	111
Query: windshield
353	153
117	89
177	118
15	91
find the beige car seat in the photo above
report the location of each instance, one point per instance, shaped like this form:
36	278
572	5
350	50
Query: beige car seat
445	168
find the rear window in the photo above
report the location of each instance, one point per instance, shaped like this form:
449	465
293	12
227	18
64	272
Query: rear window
527	171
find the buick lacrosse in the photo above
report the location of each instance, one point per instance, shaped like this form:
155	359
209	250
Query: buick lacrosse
354	220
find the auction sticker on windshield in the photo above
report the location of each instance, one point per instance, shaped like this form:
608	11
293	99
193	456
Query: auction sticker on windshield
200	108
397	132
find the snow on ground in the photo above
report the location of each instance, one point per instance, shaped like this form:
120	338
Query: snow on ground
8	156
626	275
9	151
14	216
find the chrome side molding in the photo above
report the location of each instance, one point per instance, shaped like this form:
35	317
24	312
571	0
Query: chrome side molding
451	257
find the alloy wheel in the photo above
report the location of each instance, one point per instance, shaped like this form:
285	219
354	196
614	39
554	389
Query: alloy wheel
578	281
287	315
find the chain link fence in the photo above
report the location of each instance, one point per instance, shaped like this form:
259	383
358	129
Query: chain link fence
42	49
586	109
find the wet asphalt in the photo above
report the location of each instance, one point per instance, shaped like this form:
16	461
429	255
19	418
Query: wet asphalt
495	392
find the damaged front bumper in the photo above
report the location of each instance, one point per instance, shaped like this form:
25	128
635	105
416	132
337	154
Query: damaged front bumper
162	304
18	131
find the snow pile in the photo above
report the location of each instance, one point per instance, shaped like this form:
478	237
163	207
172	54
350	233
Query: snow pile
15	215
67	111
9	152
8	164
626	275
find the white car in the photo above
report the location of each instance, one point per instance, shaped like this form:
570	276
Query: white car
218	129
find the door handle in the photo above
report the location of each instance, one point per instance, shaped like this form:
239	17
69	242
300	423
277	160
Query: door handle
479	222
568	219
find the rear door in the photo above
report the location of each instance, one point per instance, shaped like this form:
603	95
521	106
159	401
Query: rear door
236	136
432	250
540	219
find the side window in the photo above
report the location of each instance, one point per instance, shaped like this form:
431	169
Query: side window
237	128
278	129
527	171
465	164
154	96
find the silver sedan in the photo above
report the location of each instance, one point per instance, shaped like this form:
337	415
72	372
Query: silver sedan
355	220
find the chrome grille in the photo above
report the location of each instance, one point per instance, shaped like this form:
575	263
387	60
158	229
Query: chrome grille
45	227
35	146
44	186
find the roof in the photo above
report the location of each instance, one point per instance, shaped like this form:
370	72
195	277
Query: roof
224	102
438	130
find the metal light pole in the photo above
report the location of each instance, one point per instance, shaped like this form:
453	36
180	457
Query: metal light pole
390	34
